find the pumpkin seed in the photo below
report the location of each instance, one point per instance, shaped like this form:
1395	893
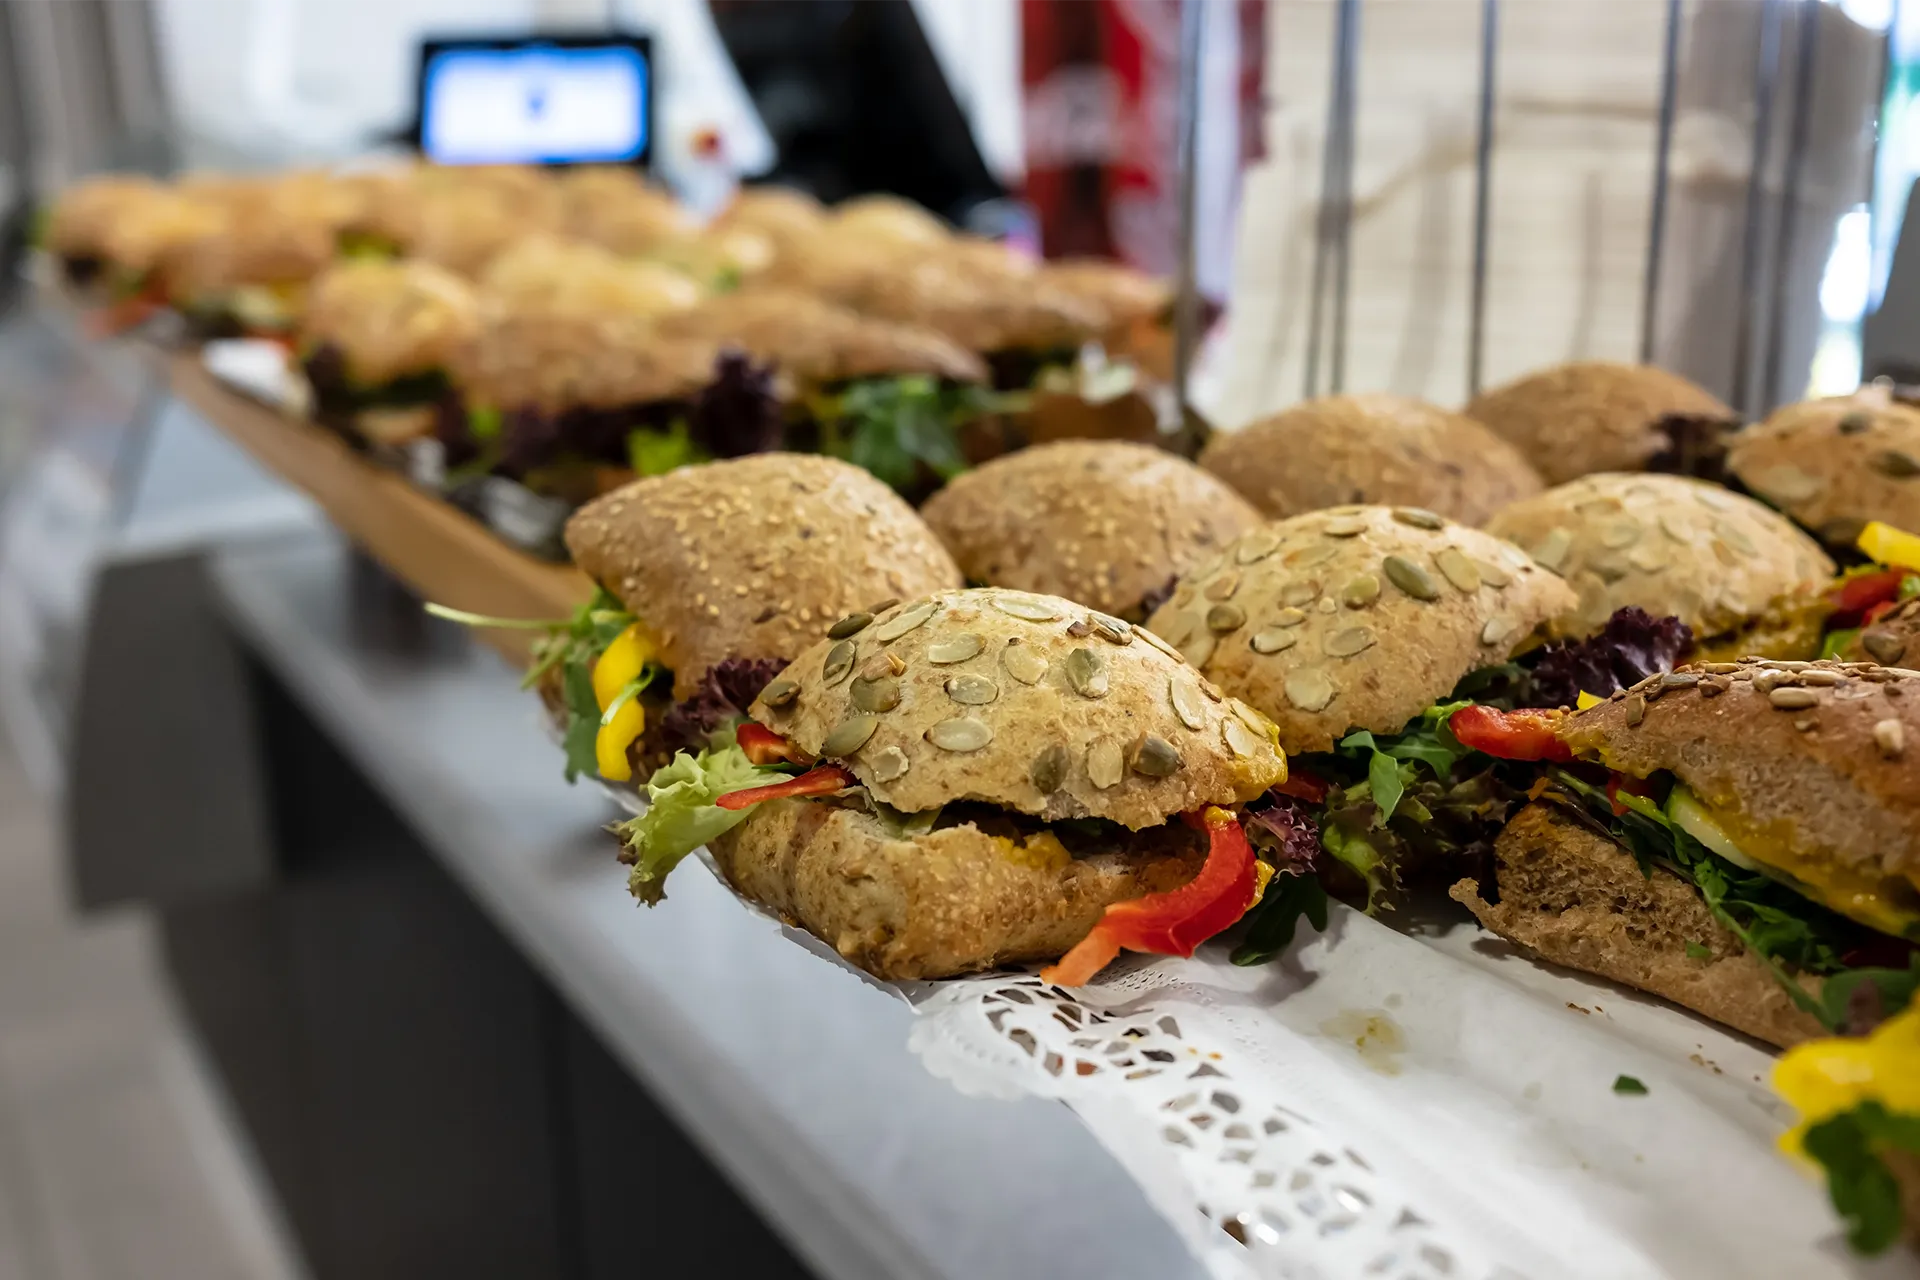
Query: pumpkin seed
1049	770
1087	673
1551	553
1255	547
1223	587
1027	607
1895	463
901	623
1198	648
849	735
1418	517
1226	617
1290	617
1185	696
1079	628
971	689
1885	647
1273	640
1788	484
1299	593
876	695
1348	641
967	644
852	624
838	664
1361	590
780	693
963	733
1241	740
1316	554
1410	578
1024	663
1105	764
1458	569
1854	423
1344	526
889	763
1309	688
1636	706
1493	574
1155	757
1112	629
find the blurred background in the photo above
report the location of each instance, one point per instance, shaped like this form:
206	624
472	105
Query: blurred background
1419	196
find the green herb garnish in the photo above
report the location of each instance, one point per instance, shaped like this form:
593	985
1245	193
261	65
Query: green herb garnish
1629	1085
1851	1147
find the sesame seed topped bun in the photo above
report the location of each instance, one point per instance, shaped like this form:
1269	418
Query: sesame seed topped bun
1836	464
557	361
753	557
389	317
1023	701
814	342
1388	449
1670	545
1356	617
1105	523
1595	415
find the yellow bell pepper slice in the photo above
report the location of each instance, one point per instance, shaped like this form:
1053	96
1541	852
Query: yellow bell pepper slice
1586	700
1823	1078
615	735
620	665
1884	544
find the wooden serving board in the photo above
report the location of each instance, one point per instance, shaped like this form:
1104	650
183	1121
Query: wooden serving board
432	546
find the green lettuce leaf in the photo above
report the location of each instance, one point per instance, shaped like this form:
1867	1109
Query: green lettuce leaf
1277	915
654	452
681	814
901	428
1850	1147
583	720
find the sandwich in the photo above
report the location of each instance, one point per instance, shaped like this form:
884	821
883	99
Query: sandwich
708	581
1385	449
1740	576
376	338
977	778
113	235
1106	523
1593	415
1859	1104
1835	465
784	215
1357	631
619	210
464	224
1742	839
545	273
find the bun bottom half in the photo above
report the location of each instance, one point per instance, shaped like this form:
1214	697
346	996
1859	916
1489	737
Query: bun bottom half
952	901
1576	898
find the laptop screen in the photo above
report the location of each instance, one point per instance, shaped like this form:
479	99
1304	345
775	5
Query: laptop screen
541	100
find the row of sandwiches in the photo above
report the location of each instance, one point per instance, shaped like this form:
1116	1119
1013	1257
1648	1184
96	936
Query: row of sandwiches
1093	697
569	329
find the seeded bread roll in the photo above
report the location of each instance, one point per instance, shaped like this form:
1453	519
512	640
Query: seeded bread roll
887	220
389	318
1576	898
254	246
782	213
617	210
1126	294
1356	617
558	361
1594	415
1821	758
548	274
1023	701
1673	546
951	901
80	221
1100	522
815	343
753	557
1833	465
1371	448
1892	641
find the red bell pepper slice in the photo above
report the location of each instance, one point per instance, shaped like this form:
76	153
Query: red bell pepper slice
1302	785
764	746
1510	735
1175	922
1852	597
824	781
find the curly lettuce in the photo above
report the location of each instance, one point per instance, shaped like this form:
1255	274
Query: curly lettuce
681	815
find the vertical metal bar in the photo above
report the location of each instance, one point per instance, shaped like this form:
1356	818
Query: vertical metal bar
1482	195
1766	72
1806	36
1343	241
1186	315
1663	152
1323	222
1876	277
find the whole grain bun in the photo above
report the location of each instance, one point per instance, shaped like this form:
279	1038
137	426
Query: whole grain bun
888	220
1594	415
80	218
1126	294
1673	546
1103	523
1387	449
1835	464
950	901
1356	617
753	557
1576	898
389	318
1823	756
779	212
554	361
1892	641
1022	701
550	274
616	209
253	246
815	343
